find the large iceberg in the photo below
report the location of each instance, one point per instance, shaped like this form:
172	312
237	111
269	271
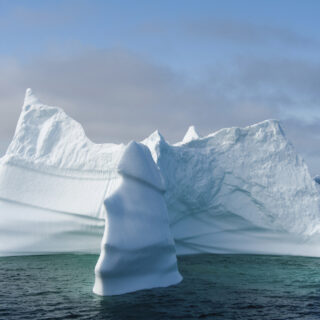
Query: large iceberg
238	190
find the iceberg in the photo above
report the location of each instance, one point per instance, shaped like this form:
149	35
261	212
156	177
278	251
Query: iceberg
237	190
137	250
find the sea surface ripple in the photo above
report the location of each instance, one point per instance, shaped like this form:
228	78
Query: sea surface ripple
214	287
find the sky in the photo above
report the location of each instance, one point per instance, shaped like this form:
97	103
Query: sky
126	68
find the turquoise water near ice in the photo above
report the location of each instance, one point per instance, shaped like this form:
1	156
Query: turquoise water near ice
214	287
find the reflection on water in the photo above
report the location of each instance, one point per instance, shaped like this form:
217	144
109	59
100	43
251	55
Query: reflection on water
214	287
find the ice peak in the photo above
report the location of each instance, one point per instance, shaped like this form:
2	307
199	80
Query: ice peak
190	135
30	98
273	125
155	137
154	142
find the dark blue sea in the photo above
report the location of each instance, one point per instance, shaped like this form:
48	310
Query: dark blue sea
214	287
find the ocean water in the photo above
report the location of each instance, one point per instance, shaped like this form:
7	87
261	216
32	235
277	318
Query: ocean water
214	287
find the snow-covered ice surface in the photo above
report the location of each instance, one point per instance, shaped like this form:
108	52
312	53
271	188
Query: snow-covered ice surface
137	250
238	190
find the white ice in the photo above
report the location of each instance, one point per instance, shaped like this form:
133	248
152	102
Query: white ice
53	181
137	250
190	135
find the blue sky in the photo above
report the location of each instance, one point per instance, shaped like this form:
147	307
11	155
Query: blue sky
170	32
126	68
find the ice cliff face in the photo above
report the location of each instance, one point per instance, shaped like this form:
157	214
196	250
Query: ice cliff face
53	181
233	181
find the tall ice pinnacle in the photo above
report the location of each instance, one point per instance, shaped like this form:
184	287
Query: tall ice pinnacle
30	98
137	250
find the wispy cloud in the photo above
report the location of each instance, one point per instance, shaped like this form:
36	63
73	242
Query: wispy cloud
291	86
238	31
57	15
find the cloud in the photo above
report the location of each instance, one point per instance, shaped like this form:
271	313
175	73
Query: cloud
118	96
115	94
237	31
286	89
288	85
59	14
234	31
